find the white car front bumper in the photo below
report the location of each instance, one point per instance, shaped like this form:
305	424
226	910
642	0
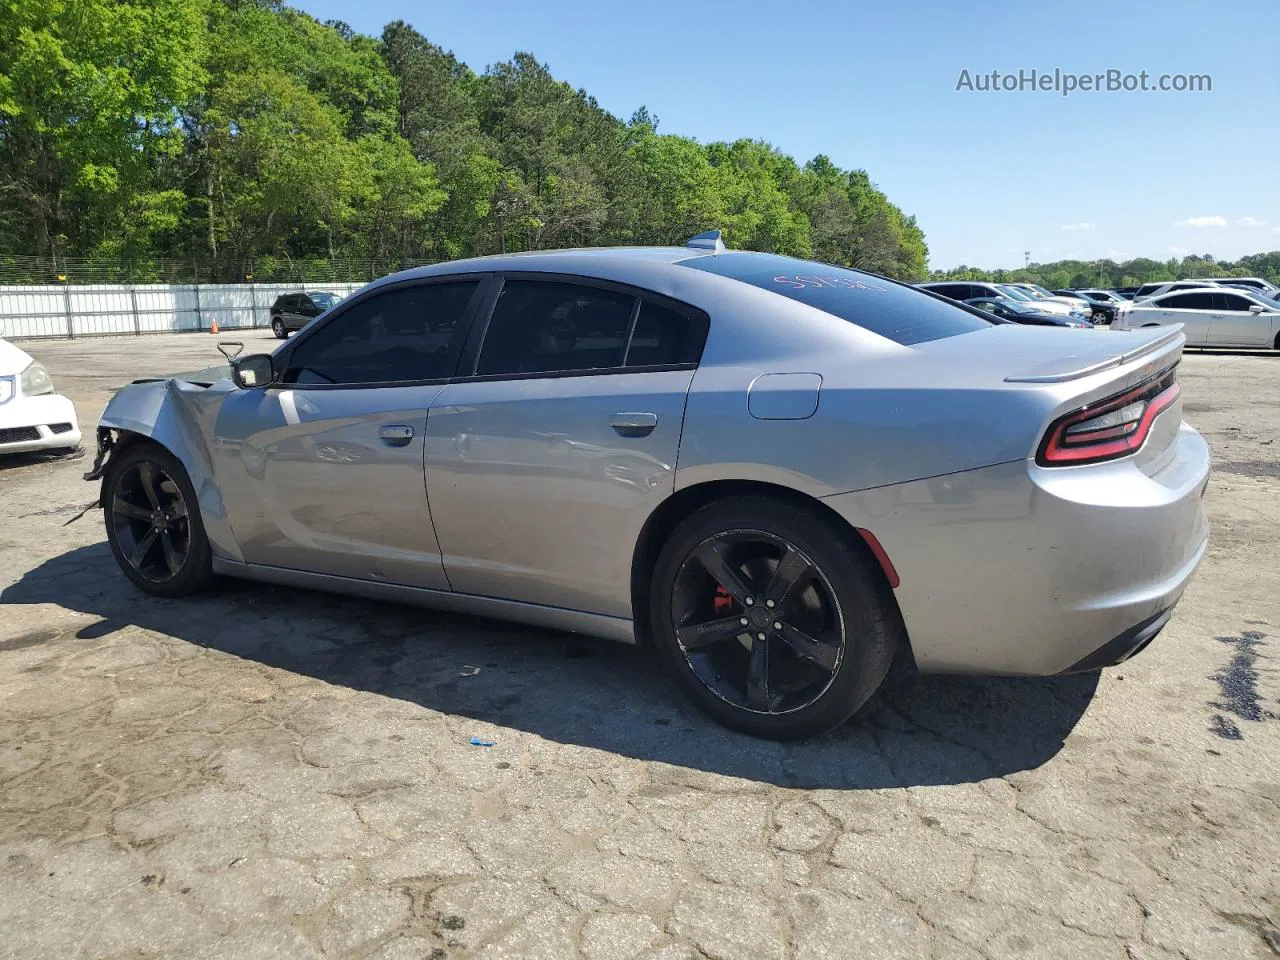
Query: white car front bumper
46	422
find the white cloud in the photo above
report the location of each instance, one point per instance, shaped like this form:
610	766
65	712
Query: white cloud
1201	222
1179	251
1077	226
1251	222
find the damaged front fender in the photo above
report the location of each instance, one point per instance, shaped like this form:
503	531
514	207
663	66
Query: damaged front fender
180	416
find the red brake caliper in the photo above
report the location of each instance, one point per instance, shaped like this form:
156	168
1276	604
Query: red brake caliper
723	603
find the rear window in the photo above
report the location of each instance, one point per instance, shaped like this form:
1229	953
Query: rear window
900	313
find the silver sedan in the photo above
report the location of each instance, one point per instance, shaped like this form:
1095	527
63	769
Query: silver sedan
785	475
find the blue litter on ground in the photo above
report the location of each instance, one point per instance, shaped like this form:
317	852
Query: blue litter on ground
477	742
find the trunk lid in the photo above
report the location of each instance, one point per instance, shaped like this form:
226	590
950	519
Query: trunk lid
1063	371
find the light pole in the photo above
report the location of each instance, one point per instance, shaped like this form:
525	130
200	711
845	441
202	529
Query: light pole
1026	257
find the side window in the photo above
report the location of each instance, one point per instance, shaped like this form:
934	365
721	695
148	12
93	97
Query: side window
949	290
551	327
406	334
1187	301
288	303
664	336
1231	301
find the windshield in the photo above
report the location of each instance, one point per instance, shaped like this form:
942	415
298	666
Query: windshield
323	300
1018	307
1015	293
1040	290
892	310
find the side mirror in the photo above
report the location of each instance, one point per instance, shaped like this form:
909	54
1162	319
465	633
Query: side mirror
1256	309
255	370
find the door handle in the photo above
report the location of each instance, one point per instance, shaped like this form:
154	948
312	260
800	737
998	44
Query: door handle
633	424
395	434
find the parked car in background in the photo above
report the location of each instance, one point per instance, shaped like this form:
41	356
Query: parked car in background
1011	292
629	443
293	311
1211	317
961	291
1102	306
1126	292
1026	313
1077	304
32	415
1251	284
1169	286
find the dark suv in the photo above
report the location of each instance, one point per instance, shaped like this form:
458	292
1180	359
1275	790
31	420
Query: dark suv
293	311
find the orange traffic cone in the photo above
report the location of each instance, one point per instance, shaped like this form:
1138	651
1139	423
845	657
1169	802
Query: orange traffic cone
213	327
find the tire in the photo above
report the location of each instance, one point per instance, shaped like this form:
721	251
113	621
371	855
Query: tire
1276	345
278	328
840	613
173	560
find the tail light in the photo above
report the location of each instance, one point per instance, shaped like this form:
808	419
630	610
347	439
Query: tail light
1110	428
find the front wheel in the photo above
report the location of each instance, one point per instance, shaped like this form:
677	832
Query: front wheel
153	522
771	618
278	328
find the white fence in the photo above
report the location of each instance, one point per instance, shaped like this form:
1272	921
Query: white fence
106	309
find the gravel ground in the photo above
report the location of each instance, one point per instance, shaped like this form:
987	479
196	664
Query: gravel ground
278	773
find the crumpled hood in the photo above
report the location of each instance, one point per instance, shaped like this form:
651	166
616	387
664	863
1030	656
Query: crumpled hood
200	378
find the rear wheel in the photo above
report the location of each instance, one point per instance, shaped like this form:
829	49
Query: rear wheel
153	522
278	328
1277	343
771	618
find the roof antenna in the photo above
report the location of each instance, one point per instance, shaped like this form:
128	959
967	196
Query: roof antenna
710	240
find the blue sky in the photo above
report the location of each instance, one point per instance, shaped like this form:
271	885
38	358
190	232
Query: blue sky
873	85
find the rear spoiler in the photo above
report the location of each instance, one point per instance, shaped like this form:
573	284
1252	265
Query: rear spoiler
1057	374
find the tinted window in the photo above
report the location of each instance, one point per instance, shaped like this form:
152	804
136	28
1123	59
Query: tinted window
404	334
664	336
900	313
544	327
1186	301
287	302
1148	288
1230	301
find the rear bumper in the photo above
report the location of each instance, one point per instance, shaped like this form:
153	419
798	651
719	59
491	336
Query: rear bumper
1023	570
38	423
1127	645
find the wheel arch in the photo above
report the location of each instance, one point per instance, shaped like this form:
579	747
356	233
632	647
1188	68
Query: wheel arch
166	414
684	502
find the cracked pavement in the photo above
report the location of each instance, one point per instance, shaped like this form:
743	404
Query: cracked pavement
277	773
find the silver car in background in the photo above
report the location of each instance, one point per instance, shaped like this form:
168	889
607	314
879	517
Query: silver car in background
781	473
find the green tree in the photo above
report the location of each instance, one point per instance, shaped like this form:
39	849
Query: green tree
90	97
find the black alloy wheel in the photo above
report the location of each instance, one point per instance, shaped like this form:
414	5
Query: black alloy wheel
757	622
153	522
772	615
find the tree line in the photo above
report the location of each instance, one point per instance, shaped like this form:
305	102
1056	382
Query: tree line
1109	275
247	136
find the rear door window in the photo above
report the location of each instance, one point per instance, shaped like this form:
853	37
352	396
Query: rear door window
542	326
664	336
1186	301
